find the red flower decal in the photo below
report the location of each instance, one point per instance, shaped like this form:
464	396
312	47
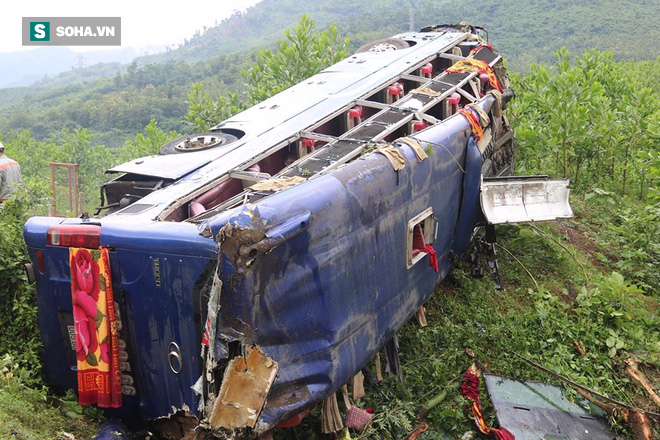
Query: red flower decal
84	312
85	274
105	352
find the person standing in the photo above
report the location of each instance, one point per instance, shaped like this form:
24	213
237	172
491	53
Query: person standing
10	175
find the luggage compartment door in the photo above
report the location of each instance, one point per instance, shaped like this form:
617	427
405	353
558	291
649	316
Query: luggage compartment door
524	199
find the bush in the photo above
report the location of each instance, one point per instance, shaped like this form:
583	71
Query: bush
19	328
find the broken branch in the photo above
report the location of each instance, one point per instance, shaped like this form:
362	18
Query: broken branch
639	378
519	262
578	386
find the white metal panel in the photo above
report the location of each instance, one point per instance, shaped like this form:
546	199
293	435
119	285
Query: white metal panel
524	199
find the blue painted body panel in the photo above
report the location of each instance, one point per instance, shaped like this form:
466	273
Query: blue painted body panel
324	302
316	275
321	303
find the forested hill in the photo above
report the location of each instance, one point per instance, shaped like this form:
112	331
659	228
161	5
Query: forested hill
157	87
524	30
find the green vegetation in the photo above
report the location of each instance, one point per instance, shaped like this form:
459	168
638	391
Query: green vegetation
303	52
526	30
19	330
31	414
113	103
597	122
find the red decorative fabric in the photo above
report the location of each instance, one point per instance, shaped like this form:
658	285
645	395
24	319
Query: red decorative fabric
99	380
419	245
473	119
471	65
470	390
433	257
418	240
481	46
358	418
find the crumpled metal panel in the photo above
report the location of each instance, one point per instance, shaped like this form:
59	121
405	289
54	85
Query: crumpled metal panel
245	386
524	199
540	411
335	288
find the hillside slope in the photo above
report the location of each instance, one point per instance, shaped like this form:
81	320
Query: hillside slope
524	30
157	86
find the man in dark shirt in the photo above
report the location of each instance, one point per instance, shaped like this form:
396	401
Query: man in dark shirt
10	175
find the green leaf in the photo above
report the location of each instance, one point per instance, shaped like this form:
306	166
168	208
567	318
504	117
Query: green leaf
98	319
91	360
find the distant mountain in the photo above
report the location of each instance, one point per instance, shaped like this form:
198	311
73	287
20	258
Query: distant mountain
524	30
114	101
29	66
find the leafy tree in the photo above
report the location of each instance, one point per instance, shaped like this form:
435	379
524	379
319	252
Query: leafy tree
652	157
19	327
590	115
92	160
302	52
205	112
144	144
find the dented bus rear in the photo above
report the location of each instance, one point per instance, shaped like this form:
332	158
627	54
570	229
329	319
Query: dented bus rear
258	267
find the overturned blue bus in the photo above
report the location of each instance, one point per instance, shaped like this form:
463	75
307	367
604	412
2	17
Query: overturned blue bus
247	273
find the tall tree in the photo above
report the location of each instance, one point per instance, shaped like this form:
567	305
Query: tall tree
301	53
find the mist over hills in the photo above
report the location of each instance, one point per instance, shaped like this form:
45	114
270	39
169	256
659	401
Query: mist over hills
26	67
115	99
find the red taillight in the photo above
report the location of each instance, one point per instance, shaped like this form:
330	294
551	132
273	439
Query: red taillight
85	236
40	261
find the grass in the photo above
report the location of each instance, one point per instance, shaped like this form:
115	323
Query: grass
30	414
580	298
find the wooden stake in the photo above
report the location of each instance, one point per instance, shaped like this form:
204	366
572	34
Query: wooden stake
421	317
358	386
379	370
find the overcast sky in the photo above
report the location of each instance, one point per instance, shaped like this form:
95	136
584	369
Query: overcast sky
143	23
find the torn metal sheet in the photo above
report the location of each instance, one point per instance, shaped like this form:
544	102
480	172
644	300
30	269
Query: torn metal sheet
318	276
540	411
524	199
245	385
247	235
